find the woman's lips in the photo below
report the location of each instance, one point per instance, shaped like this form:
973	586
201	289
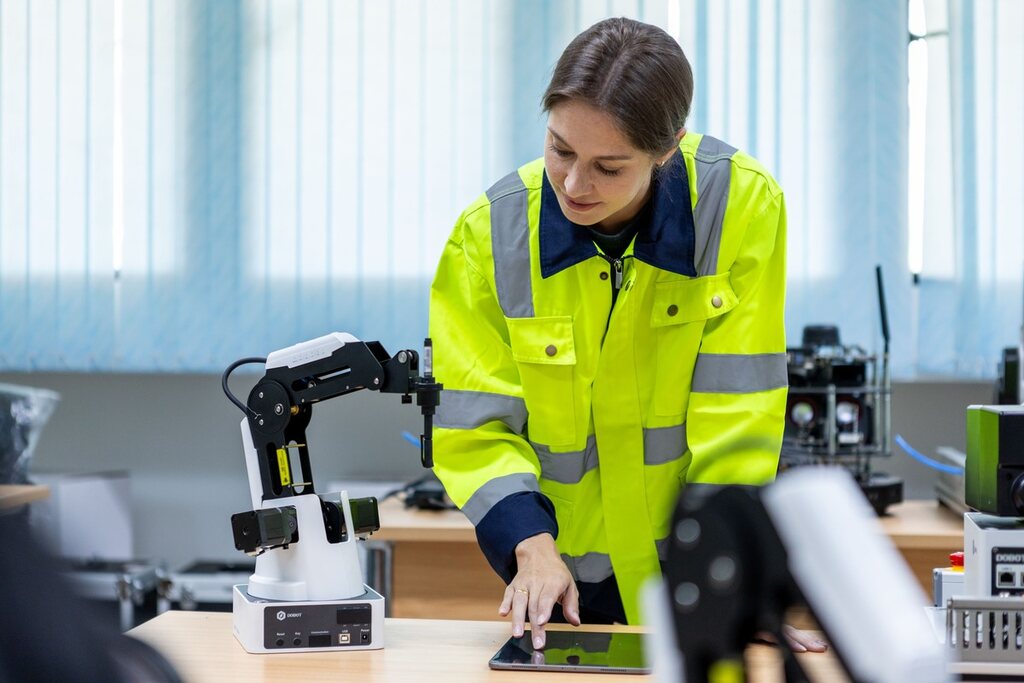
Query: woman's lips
578	206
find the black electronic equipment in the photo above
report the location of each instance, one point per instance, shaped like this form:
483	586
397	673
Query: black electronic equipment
1008	381
837	412
425	493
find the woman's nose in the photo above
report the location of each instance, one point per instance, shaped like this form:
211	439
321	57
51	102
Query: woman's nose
576	182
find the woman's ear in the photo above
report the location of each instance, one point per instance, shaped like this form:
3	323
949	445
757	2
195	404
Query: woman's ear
668	155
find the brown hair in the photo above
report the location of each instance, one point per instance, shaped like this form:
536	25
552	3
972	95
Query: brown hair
633	71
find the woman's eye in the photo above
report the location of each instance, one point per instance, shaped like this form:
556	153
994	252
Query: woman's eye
609	171
565	154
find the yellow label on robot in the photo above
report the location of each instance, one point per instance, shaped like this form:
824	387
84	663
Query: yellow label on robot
283	468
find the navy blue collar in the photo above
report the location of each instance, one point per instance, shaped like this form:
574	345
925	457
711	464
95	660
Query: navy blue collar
666	241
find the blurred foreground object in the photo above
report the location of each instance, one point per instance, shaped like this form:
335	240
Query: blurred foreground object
48	634
740	557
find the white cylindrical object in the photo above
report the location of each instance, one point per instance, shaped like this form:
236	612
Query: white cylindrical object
312	568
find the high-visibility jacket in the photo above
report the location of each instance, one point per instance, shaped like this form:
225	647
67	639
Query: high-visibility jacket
567	413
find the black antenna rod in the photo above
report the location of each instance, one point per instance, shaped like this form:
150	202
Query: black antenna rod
881	307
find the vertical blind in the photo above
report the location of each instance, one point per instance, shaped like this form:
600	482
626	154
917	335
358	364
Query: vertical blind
971	258
816	90
56	270
368	126
187	181
184	182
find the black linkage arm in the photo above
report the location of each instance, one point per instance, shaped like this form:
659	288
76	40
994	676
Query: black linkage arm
280	405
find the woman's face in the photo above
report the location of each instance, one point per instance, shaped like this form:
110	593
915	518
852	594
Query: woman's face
601	180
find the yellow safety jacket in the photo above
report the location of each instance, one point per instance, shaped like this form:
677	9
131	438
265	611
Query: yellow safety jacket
565	413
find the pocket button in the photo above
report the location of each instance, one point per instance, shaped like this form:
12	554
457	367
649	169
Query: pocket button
716	301
551	350
672	310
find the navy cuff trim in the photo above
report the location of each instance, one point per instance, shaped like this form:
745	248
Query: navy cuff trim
511	520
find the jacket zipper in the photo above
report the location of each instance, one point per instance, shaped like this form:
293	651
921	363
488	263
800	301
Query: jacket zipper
617	268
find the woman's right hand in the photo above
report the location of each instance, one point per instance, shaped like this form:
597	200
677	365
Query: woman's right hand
543	580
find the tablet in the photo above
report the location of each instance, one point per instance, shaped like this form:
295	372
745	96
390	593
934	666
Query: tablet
592	652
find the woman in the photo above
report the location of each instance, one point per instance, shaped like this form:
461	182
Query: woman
608	325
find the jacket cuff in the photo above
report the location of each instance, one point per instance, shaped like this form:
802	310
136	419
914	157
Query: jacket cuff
513	519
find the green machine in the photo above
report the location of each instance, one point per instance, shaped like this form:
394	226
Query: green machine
994	477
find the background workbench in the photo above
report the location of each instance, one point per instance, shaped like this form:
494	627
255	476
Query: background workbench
925	533
14	495
202	648
440	573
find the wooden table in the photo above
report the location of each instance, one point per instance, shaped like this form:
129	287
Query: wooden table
925	533
397	523
436	569
13	495
202	648
434	551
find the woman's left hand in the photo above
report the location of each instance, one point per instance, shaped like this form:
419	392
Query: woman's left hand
797	640
802	641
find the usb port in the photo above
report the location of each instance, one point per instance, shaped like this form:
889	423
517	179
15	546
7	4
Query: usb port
344	638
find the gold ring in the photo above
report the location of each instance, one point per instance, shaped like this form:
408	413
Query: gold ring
522	590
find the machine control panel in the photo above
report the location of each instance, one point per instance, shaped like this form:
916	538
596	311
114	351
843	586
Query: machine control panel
1007	571
317	625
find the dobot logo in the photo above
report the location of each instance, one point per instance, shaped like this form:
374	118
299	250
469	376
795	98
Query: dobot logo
281	615
1015	558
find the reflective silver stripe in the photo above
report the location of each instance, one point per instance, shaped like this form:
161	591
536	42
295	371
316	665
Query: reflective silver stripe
494	491
713	168
664	444
663	545
590	567
661	445
566	468
510	243
472	409
739	373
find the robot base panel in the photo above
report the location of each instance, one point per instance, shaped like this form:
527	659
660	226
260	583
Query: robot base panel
267	626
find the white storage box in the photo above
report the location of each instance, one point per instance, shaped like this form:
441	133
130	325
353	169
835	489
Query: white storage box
87	516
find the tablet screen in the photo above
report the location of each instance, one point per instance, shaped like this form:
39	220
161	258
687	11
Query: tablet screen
575	651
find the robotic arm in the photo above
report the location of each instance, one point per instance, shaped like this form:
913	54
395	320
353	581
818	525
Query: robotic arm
287	511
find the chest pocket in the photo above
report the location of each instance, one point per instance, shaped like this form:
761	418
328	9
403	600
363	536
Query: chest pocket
680	311
543	349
